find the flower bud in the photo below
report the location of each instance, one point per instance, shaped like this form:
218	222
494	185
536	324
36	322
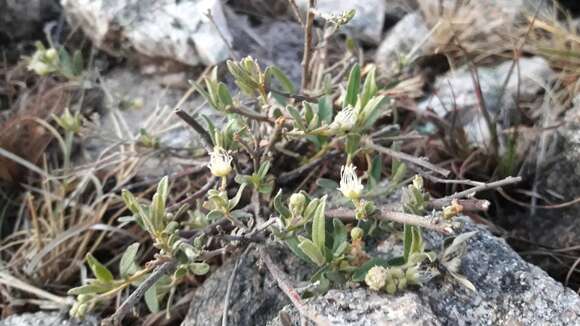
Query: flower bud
297	204
376	278
357	233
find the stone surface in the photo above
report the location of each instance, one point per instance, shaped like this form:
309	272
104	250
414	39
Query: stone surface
264	42
456	91
177	30
367	24
255	297
402	39
362	307
509	292
46	319
25	19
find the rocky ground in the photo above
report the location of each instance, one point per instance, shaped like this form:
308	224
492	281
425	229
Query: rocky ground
145	52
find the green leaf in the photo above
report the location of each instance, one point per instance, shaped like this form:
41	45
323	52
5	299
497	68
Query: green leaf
90	289
234	201
327	184
311	208
77	63
101	272
371	111
281	77
361	272
224	95
312	251
353	86
352	143
376	168
325	111
199	268
417	246
127	264
339	235
296	117
369	88
293	243
280	207
151	299
407	240
318	226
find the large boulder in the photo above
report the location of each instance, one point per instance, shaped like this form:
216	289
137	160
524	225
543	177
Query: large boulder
176	30
509	292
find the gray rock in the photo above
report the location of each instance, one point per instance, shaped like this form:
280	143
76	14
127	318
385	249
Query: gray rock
362	307
264	42
46	319
395	10
509	292
176	30
456	91
255	297
25	19
404	40
367	24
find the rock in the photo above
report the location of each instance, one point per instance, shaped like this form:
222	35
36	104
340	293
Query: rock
136	102
264	43
456	91
176	30
24	20
509	292
46	319
367	24
361	307
255	297
395	10
402	39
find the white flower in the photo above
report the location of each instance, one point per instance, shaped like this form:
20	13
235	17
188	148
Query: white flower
220	162
350	185
345	119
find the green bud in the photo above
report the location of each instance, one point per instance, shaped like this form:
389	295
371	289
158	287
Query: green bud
297	204
357	233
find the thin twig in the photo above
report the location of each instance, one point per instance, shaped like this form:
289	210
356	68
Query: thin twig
469	192
296	11
308	47
286	177
250	114
198	194
280	278
409	158
130	302
205	137
468	205
399	217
